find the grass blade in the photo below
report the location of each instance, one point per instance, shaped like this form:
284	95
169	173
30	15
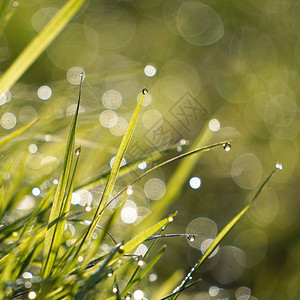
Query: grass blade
192	152
222	235
143	272
16	133
39	44
98	276
176	182
113	174
62	198
123	170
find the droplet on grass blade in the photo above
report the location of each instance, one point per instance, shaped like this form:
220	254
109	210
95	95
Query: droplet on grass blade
227	146
191	237
77	151
144	91
278	166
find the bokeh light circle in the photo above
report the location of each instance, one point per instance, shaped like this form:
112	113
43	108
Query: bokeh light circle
44	92
108	118
8	120
202	229
246	171
74	75
155	188
120	128
199	24
112	99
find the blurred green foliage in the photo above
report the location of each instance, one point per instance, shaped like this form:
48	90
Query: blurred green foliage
234	61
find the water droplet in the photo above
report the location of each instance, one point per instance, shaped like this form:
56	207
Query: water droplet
88	208
278	166
110	273
77	151
15	4
227	146
144	91
115	290
140	263
128	296
190	278
31	295
170	219
81	74
191	237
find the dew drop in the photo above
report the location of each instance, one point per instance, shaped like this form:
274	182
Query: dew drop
115	290
227	146
191	237
77	151
190	278
144	91
278	166
170	219
128	296
140	263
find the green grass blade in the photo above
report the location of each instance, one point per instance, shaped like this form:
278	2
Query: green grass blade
137	240
44	203
16	133
4	7
140	238
113	174
124	170
178	179
98	276
223	234
39	44
62	199
144	271
192	152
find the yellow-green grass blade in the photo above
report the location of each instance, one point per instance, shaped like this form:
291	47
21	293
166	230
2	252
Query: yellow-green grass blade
44	203
129	246
39	44
142	273
167	286
96	277
16	133
61	200
94	248
223	234
4	9
113	174
141	237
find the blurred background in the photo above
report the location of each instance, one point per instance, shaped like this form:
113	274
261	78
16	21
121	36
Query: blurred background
228	67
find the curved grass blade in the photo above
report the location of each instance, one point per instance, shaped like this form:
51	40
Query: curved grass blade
222	235
16	133
62	198
39	44
98	180
195	151
178	179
